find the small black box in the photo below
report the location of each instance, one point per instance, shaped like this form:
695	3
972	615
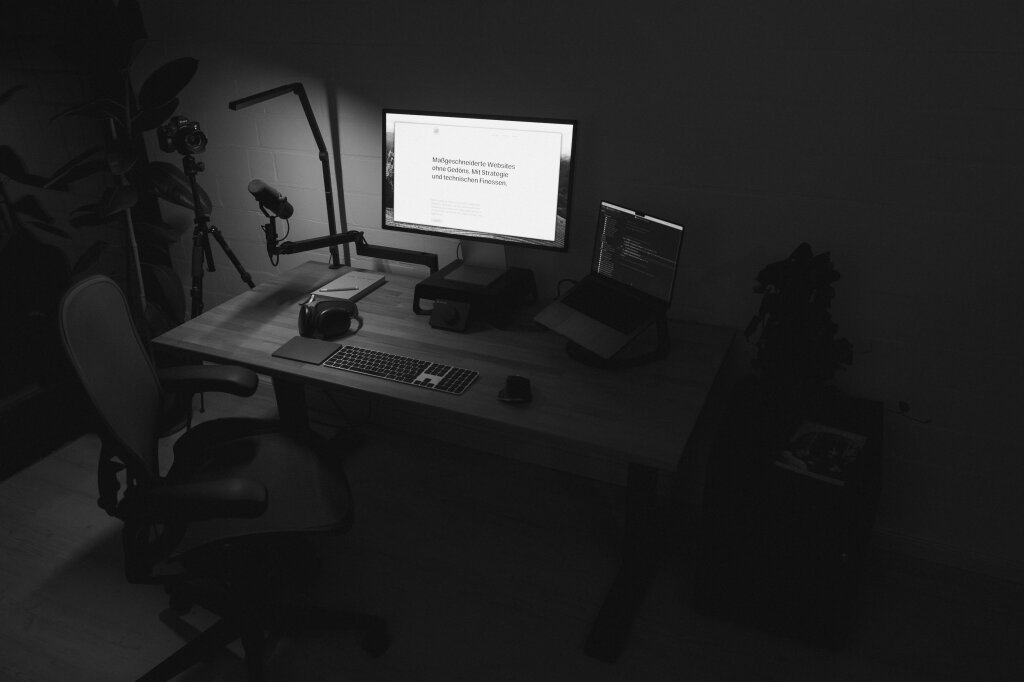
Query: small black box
494	302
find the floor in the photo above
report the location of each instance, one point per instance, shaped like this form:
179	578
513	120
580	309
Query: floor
486	570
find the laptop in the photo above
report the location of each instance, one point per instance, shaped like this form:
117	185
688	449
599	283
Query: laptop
632	276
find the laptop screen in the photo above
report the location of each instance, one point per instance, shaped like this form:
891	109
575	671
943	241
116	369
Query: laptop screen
637	250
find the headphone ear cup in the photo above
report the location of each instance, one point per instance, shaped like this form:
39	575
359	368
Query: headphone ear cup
334	318
306	325
327	319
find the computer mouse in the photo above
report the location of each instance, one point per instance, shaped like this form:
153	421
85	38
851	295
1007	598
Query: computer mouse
517	390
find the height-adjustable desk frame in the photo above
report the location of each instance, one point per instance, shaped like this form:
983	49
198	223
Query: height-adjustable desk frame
630	424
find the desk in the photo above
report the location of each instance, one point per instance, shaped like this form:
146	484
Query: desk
637	420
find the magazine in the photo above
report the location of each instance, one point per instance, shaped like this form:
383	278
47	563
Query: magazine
821	452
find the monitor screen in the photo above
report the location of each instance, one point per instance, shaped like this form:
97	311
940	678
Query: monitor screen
638	250
484	178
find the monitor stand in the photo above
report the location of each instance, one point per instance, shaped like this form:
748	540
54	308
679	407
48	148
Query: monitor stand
466	294
482	265
474	274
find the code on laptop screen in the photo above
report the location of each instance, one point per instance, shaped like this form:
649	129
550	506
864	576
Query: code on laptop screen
637	250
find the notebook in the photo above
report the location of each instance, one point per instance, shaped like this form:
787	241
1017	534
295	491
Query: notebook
351	286
630	284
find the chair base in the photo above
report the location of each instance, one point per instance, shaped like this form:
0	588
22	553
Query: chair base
259	592
259	633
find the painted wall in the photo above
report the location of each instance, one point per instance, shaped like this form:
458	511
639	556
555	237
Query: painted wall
885	131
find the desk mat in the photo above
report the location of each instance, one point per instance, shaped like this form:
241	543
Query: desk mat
313	351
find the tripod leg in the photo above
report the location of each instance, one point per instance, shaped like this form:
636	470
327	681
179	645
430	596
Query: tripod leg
231	256
208	252
199	246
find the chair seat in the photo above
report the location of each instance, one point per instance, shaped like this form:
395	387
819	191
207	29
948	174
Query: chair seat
283	462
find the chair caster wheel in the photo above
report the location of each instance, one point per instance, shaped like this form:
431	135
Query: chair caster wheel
376	641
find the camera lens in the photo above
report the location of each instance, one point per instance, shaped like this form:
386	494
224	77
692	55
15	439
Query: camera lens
195	143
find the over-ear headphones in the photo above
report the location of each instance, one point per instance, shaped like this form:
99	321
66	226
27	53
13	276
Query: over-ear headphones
327	319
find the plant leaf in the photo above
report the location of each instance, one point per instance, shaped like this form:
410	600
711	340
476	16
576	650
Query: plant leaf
82	170
166	181
86	208
75	169
130	16
164	289
10	162
119	163
90	256
166	82
50	229
162	233
97	108
90	219
6	95
131	30
30	206
121	199
11	166
148	119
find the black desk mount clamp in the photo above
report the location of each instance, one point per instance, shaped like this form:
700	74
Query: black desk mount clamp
334	238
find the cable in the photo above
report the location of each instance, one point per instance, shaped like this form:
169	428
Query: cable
274	258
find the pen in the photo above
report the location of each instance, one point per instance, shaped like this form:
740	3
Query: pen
341	289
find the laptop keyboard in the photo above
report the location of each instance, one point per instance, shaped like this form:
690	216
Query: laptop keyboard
619	311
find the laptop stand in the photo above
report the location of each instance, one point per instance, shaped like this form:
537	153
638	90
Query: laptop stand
661	349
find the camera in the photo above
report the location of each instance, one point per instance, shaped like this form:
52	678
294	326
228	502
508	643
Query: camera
181	135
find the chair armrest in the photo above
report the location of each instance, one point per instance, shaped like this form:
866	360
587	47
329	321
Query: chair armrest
203	500
201	378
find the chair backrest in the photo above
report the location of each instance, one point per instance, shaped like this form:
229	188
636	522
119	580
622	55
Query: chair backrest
114	367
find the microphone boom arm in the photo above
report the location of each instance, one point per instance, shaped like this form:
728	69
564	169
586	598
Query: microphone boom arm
321	147
334	238
363	248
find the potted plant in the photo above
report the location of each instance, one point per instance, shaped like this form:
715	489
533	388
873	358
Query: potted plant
797	352
41	255
133	183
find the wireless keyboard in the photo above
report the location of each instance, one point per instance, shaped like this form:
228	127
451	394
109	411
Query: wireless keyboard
406	370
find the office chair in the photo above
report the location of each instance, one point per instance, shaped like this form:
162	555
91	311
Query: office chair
227	526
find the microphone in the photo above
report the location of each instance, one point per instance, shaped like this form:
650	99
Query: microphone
271	199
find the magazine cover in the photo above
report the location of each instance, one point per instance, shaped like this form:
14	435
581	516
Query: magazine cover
821	452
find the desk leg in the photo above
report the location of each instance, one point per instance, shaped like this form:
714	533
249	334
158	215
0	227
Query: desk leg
291	405
611	627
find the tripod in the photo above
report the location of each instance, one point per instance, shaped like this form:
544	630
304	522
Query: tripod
201	249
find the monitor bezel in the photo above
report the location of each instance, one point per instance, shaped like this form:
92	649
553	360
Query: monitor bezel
472	236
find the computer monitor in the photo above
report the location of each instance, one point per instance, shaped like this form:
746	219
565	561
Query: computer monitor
498	179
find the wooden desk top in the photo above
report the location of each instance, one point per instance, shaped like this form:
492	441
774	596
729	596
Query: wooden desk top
644	414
